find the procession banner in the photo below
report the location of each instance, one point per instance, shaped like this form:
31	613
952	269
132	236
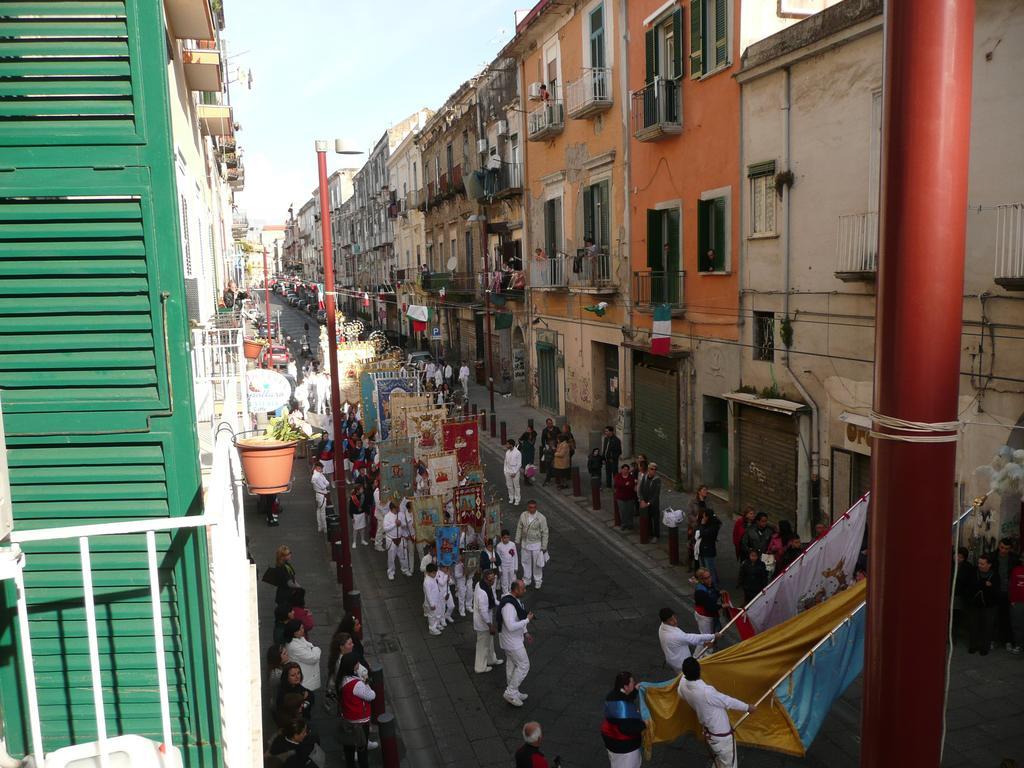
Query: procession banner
368	400
426	425
472	474
443	469
397	471
427	514
401	404
385	386
463	437
447	545
352	358
825	568
469	506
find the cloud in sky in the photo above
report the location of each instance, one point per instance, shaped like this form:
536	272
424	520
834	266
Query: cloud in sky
343	68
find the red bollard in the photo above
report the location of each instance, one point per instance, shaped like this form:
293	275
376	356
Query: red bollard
465	408
616	519
340	572
494	424
377	683
388	741
595	493
504	434
336	551
483	420
577	488
673	545
645	527
353	604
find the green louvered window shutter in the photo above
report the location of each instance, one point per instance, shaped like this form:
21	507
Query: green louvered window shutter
696	39
677	43
655	242
603	235
721	256
651	54
588	212
721	32
703	234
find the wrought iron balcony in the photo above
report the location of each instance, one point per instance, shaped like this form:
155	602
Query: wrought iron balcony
857	246
657	110
591	94
504	181
1009	271
548	272
654	287
591	273
546	121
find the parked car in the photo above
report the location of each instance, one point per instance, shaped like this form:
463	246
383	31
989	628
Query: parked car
321	317
275	356
418	360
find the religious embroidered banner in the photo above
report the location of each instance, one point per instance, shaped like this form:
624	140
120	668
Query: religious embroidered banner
447	545
368	400
401	403
397	471
473	474
463	437
427	515
444	473
385	387
469	506
352	359
426	426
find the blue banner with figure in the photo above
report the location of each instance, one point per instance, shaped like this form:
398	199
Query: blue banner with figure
447	545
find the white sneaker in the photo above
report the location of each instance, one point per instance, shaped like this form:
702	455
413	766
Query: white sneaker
523	696
372	745
391	577
497	662
514	701
510	501
483	671
353	545
435	631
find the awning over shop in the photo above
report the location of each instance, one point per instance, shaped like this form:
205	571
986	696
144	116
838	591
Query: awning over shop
777	405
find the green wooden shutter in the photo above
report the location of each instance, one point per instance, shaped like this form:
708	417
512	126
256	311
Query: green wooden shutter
721	257
721	33
588	212
651	52
672	227
696	39
704	214
654	240
604	213
677	39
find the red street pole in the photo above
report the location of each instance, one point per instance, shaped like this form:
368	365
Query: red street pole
341	489
929	48
266	294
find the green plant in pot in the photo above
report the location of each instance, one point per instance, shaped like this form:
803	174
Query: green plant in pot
267	459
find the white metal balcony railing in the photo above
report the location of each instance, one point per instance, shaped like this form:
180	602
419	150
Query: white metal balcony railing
545	121
593	272
1009	261
857	246
590	94
548	272
233	590
218	379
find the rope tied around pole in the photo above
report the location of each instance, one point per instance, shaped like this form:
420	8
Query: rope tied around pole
921	431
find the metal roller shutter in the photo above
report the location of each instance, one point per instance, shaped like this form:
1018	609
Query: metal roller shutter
656	417
767	462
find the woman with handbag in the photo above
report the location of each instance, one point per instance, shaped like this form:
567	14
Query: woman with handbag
354	700
286	580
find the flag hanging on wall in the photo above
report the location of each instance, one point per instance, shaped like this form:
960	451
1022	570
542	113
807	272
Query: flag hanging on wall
661	331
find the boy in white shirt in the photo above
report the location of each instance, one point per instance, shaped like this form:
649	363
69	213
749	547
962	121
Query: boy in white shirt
406	551
433	600
509	557
428	559
444	581
463	586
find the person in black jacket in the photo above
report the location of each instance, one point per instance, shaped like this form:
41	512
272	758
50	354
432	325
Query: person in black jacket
611	450
707	542
983	606
594	465
753	576
622	729
648	491
293	745
962	590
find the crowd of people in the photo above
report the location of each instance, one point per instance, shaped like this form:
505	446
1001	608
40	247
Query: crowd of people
988	594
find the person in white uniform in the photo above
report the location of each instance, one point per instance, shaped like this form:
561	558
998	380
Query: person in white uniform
444	580
508	557
392	539
711	707
321	487
463	586
676	644
532	538
406	547
464	379
484	622
380	508
513	465
433	600
512	638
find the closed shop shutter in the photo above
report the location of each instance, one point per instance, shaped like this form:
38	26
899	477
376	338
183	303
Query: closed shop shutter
767	462
656	417
547	377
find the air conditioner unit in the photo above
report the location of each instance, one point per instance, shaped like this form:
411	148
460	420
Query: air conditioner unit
534	92
503	128
481	145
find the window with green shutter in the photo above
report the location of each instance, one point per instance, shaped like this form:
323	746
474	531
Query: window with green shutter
553	227
709	36
596	214
663	47
712	235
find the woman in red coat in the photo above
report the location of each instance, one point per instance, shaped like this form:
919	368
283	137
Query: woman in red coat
743	522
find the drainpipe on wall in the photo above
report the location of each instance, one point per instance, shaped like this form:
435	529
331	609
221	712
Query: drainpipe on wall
626	369
815	433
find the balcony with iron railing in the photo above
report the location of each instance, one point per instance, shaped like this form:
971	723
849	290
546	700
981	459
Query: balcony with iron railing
548	273
857	247
456	183
652	288
657	110
413	199
590	95
546	121
1009	266
504	285
592	272
504	181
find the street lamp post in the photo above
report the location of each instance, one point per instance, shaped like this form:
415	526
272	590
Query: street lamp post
341	490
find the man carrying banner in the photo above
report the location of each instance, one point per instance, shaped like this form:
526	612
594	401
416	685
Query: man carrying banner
392	539
676	644
321	487
711	707
406	547
484	619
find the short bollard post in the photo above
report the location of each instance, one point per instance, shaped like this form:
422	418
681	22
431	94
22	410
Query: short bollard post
577	488
465	408
595	493
354	604
494	424
673	545
388	740
336	550
616	519
339	572
472	408
377	683
483	420
504	433
645	527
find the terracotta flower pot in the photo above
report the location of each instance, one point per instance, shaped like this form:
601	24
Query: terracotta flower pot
251	348
266	464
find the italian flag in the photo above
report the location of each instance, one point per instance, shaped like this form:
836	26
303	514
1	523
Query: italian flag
661	331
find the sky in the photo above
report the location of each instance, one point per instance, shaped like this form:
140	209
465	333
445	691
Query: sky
343	69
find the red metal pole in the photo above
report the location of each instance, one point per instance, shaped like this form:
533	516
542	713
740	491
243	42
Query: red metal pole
341	488
929	49
266	294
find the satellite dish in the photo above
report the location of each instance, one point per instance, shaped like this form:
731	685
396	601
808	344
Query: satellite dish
453	262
